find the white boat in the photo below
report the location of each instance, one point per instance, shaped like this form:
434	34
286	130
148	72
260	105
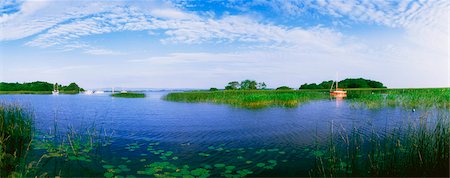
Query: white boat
55	89
338	92
88	92
99	92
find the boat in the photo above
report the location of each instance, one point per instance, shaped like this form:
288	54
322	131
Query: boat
338	92
99	92
88	92
55	89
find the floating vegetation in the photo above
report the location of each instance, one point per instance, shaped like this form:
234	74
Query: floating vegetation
133	146
204	154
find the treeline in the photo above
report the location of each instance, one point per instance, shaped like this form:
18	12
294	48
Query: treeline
347	83
37	86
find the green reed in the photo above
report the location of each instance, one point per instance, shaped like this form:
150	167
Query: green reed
16	130
407	98
129	95
418	148
248	98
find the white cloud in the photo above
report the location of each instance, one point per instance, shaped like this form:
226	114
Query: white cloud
283	55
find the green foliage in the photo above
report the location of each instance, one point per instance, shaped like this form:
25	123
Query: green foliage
360	83
213	89
245	85
16	127
249	98
261	86
248	85
311	86
419	148
428	98
347	83
284	88
70	87
234	85
129	95
37	86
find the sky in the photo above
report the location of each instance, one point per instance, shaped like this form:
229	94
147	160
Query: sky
208	43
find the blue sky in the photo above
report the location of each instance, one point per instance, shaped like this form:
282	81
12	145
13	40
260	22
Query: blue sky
202	44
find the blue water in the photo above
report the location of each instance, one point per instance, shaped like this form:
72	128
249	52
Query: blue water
190	128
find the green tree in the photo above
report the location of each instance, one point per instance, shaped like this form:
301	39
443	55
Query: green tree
213	89
234	85
248	85
284	88
71	87
261	86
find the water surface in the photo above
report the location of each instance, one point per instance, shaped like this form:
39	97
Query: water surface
201	135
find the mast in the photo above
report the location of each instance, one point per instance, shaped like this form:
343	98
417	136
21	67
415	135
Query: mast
337	82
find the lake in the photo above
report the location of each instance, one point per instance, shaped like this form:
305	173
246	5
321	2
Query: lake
181	137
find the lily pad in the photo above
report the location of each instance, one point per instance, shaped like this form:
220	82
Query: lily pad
199	172
318	153
204	154
108	174
230	167
108	166
260	164
219	165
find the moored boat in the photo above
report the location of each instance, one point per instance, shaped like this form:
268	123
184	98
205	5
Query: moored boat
338	92
55	89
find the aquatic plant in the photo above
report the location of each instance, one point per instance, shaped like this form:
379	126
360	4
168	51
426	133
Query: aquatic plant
128	95
407	98
419	149
16	130
248	98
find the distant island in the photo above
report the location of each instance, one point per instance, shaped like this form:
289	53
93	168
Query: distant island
347	83
37	87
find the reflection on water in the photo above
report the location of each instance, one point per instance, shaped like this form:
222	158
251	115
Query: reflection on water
149	135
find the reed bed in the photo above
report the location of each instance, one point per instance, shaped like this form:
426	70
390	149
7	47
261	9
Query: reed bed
420	148
129	95
407	98
16	130
248	98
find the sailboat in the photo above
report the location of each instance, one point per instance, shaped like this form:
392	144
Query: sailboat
55	89
338	92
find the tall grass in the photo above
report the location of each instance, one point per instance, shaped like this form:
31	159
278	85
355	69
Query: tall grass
248	98
407	98
420	148
16	129
129	95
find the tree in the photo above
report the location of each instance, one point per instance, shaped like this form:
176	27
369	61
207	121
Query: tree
284	88
213	89
261	86
232	85
71	87
248	85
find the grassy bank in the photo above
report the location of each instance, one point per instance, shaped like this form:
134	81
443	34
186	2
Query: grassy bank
129	95
248	98
16	127
36	92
